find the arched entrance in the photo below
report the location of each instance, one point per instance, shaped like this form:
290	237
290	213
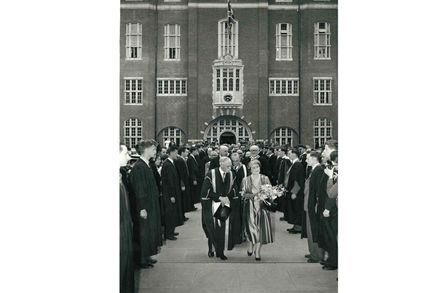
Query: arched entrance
228	128
227	137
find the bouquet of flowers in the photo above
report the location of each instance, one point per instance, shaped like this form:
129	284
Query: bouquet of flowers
268	194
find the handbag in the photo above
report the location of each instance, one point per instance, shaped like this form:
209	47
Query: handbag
222	213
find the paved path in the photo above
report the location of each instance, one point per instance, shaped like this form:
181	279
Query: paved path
185	267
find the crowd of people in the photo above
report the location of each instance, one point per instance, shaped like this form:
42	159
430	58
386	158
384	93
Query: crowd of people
159	185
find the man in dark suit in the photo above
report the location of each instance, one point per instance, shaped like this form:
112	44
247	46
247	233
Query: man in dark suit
283	166
330	213
195	175
272	159
184	176
146	193
294	184
254	155
217	189
172	195
311	216
223	152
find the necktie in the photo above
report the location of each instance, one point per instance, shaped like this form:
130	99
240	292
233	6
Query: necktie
226	180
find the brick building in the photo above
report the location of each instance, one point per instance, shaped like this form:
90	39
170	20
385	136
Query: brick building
186	76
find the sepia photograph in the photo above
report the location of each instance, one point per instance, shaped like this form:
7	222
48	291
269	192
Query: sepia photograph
228	129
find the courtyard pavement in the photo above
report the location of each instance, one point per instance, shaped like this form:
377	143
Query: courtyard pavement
184	267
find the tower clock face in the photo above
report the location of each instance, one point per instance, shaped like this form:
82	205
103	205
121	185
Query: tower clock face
227	98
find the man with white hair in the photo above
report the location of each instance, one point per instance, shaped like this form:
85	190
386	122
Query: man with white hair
265	168
217	188
223	152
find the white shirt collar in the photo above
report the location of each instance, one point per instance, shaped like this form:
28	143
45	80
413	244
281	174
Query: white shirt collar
222	172
295	160
313	167
171	160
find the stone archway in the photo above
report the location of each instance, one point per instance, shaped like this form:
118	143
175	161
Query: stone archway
225	124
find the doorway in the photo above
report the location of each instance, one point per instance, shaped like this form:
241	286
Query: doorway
227	137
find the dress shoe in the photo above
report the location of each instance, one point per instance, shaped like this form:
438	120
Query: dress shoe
146	265
175	234
172	238
323	262
329	268
186	219
312	261
294	231
249	253
223	257
195	209
258	258
282	219
153	261
211	254
307	255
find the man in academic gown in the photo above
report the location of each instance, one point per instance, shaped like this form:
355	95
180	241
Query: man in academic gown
310	221
330	214
147	196
217	189
127	281
284	164
294	184
194	176
236	222
255	155
172	195
272	159
184	176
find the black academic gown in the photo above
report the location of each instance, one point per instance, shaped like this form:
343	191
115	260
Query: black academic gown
315	181
296	184
330	225
184	176
195	178
147	196
285	163
321	201
127	281
236	221
214	229
174	215
273	164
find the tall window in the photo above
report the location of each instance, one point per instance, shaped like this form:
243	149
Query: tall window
323	131
172	87
172	134
228	79
133	41
133	91
172	42
283	40
322	40
132	132
283	136
283	86
322	91
227	44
